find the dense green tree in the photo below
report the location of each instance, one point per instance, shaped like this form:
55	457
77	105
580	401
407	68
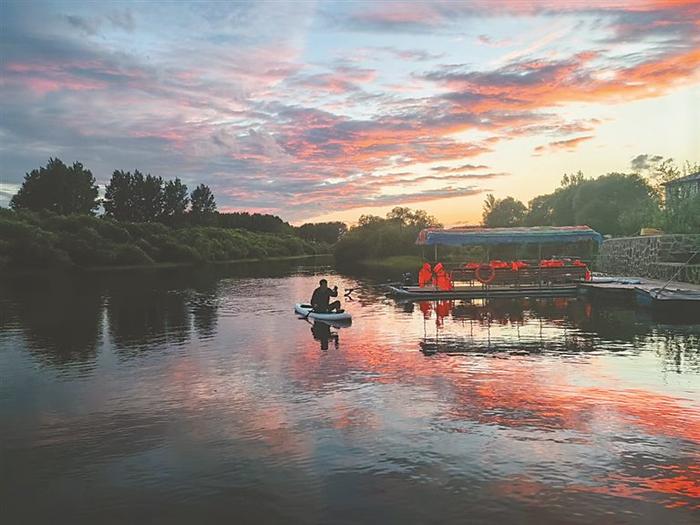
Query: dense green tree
540	211
415	219
369	220
616	203
503	213
683	215
379	237
58	188
328	232
175	201
562	200
134	197
149	191
120	200
203	205
489	204
256	222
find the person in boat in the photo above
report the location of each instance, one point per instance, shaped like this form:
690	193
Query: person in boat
320	300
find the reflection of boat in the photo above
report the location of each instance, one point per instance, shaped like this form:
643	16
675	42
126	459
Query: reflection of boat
306	310
343	323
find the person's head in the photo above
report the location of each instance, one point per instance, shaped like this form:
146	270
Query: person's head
323	283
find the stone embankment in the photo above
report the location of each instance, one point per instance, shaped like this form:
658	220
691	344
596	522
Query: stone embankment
656	257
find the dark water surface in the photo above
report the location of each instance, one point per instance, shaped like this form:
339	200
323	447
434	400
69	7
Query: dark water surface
196	396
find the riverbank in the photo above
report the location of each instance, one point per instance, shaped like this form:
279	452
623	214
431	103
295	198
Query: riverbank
397	263
44	240
165	265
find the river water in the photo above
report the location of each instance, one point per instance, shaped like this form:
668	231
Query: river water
197	396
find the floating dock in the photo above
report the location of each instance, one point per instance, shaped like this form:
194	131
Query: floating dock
645	292
430	293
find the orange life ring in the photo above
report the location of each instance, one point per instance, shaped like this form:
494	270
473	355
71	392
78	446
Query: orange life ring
491	276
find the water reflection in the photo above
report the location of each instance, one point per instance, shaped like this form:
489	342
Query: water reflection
60	318
206	384
554	324
322	333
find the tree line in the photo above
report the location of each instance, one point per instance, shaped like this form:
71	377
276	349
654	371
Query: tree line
137	197
377	237
129	197
613	204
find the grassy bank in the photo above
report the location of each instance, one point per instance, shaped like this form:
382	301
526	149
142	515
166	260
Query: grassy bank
163	265
396	263
46	240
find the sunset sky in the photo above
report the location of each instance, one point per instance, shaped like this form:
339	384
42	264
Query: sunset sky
327	110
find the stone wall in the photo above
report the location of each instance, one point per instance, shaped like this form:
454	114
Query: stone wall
656	257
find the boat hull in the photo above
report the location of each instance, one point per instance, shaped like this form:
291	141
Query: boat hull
306	310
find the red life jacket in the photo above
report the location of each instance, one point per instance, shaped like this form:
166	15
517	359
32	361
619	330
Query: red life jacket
499	264
425	275
442	279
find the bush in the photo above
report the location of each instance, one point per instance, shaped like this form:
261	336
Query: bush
131	254
683	216
45	239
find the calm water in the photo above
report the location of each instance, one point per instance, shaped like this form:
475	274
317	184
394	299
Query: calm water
176	395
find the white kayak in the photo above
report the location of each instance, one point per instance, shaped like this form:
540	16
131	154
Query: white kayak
307	311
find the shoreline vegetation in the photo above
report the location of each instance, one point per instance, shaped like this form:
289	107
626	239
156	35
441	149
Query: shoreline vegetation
149	222
146	222
165	265
614	204
46	240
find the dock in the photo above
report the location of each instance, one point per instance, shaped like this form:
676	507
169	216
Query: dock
652	293
645	292
430	293
632	284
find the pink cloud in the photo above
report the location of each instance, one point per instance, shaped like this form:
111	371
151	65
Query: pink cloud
565	145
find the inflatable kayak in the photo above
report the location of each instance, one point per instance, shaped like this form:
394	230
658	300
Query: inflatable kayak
306	310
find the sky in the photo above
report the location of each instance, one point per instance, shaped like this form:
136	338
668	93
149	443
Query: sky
329	110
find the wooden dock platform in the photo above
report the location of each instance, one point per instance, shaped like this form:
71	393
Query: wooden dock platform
430	293
653	293
630	284
645	292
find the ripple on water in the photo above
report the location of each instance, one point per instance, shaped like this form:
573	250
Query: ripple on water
206	394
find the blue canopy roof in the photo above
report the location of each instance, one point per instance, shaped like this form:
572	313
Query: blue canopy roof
520	235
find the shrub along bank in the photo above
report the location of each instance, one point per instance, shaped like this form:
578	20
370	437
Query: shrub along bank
45	239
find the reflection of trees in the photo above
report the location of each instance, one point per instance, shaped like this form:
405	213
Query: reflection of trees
141	314
204	307
205	313
679	349
151	308
60	316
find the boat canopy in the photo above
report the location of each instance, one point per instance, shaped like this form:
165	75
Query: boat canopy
519	235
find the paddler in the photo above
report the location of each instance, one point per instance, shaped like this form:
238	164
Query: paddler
320	300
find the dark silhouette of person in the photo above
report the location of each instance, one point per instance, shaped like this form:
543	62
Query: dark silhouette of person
321	297
322	332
